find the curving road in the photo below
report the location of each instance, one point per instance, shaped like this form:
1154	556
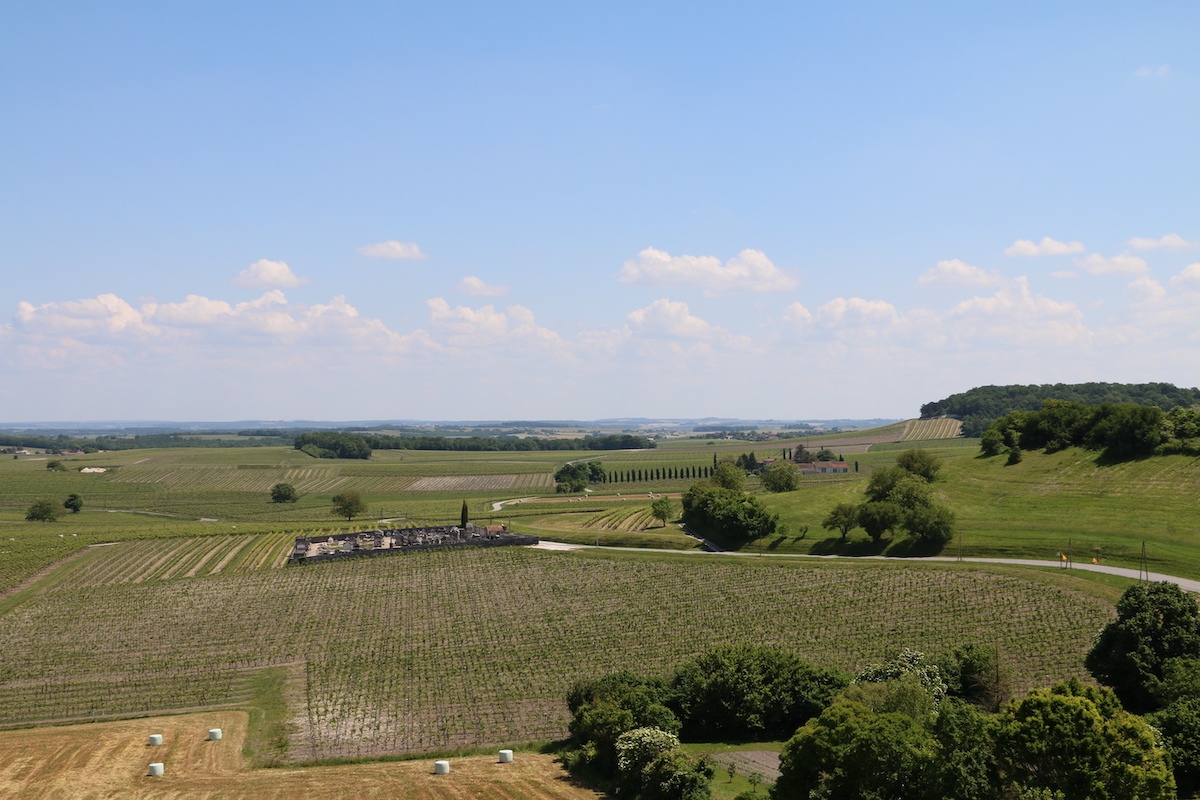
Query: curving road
1187	584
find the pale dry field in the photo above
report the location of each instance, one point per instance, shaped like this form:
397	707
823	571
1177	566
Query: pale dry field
111	760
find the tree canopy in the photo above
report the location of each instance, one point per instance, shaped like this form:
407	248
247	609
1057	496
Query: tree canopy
42	511
978	408
348	504
1156	622
284	493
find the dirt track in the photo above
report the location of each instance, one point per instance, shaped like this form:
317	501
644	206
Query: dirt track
110	760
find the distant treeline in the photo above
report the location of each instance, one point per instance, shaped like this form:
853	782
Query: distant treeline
1121	430
615	441
90	444
338	444
980	407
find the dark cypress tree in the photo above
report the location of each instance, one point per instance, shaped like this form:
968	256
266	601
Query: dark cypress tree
464	514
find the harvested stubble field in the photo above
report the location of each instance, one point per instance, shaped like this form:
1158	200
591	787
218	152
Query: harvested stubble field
444	649
109	760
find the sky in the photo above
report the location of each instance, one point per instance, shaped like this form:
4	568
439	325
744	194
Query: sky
444	211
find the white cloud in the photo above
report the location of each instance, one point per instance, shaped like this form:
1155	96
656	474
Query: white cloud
1046	247
392	249
672	318
1189	278
476	286
960	273
265	274
1016	316
749	271
1123	264
1161	71
797	314
1172	241
486	327
104	314
1145	289
857	311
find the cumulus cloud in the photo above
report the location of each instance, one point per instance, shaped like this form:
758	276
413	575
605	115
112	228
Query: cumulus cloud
1145	290
749	271
104	314
1189	278
407	251
1172	241
485	326
1016	315
265	274
1123	264
1161	71
1046	247
477	286
959	273
797	314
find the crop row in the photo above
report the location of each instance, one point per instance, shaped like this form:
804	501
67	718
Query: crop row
429	650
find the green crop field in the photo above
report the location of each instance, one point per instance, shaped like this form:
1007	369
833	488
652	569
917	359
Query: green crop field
452	648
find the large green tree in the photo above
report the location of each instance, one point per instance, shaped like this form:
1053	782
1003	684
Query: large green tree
782	476
843	517
662	509
1076	740
42	511
348	504
1155	622
284	493
73	503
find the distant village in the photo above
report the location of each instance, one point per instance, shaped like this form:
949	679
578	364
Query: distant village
399	540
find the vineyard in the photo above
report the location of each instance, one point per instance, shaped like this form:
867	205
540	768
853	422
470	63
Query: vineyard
919	430
443	649
623	519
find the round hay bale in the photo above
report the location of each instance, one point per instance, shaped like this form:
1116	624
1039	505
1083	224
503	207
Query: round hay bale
156	770
441	768
155	740
506	756
214	734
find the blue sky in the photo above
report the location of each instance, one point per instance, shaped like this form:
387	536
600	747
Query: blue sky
227	211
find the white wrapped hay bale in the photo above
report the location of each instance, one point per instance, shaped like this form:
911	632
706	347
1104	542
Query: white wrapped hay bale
441	768
506	756
214	734
156	769
155	740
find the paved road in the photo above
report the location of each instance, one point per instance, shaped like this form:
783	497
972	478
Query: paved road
1186	584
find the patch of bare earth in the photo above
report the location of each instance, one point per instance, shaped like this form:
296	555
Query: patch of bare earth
748	762
111	760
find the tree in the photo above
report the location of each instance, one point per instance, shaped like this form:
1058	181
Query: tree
921	463
662	509
781	476
348	505
877	518
932	525
1155	622
1179	724
74	503
284	493
465	514
730	476
843	517
1076	740
56	466
42	511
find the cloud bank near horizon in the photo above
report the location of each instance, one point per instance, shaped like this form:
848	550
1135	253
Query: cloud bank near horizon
273	356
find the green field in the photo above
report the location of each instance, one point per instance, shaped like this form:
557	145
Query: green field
444	649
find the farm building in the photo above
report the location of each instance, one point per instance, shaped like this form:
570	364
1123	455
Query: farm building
340	545
823	467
